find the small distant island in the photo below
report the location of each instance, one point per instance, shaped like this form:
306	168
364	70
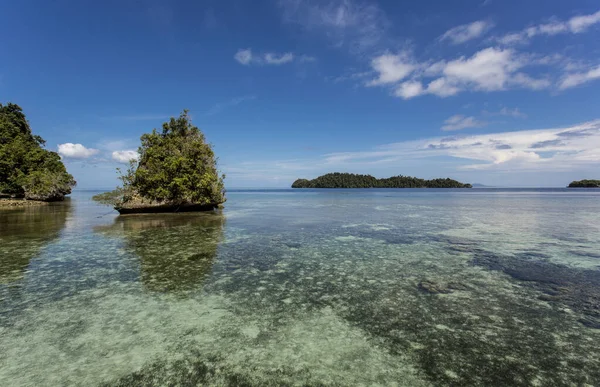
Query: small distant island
585	184
351	180
176	171
29	173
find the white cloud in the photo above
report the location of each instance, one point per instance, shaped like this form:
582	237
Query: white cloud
466	32
528	82
490	69
391	68
515	113
551	149
275	59
356	25
247	57
124	156
576	79
575	25
433	69
459	122
546	152
581	23
409	89
76	151
443	87
244	56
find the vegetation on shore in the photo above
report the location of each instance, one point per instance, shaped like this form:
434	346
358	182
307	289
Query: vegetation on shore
27	169
350	180
176	168
585	184
14	203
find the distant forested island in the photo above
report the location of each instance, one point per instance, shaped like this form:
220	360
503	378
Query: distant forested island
351	180
585	184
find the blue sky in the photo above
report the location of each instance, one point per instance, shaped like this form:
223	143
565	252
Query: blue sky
495	92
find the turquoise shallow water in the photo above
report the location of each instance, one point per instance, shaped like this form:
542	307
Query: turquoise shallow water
328	287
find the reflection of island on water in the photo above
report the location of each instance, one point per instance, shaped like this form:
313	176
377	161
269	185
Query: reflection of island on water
176	251
24	231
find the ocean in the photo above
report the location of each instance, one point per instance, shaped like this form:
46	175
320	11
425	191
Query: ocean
350	287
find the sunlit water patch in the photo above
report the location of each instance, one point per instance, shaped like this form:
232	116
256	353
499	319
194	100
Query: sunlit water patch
306	288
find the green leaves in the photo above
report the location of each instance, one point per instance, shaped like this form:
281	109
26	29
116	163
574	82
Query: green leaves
26	169
176	165
350	180
585	184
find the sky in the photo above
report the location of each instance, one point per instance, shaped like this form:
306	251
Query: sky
494	92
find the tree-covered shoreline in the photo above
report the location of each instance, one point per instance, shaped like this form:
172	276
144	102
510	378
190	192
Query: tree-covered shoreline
351	180
585	184
27	169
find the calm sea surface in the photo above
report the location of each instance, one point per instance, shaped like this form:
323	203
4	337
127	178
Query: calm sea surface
312	287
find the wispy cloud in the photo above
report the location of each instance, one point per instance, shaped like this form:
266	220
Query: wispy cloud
551	150
277	59
357	25
579	78
243	56
466	32
515	113
218	108
76	151
459	122
565	148
574	25
247	57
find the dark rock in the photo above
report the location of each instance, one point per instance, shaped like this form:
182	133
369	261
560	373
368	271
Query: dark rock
53	196
148	209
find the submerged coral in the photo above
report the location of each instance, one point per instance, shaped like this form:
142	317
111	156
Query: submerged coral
579	289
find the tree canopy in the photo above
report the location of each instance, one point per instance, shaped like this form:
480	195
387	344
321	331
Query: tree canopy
350	180
26	168
585	184
175	166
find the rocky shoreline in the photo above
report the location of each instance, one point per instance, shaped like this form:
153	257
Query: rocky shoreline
164	208
12	203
